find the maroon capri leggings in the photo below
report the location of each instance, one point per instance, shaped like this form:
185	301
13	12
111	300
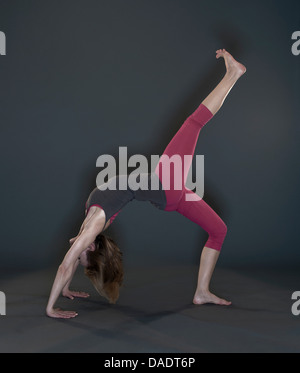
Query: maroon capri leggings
193	207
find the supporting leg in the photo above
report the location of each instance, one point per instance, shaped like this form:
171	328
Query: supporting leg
199	212
208	262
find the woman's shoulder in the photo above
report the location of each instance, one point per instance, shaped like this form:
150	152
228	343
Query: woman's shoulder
95	211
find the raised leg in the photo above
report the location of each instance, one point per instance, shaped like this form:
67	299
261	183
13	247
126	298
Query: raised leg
184	141
172	168
234	70
199	211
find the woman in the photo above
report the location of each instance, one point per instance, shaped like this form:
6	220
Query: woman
100	255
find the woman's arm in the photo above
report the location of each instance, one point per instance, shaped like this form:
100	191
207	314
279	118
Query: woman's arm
66	287
66	292
87	219
72	240
81	229
67	267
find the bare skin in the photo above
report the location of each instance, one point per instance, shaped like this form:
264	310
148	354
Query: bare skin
203	295
214	101
80	245
234	70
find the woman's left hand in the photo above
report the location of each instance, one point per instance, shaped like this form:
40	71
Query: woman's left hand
74	294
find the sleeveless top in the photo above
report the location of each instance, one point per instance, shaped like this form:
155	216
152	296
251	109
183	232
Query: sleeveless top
114	195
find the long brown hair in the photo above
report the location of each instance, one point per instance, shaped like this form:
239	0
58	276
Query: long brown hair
105	269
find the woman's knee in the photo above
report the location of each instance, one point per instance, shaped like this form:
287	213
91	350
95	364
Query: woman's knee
220	231
217	236
223	229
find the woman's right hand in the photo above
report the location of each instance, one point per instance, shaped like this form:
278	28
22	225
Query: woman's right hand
58	313
72	240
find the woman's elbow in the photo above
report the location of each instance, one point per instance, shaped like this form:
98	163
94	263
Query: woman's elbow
64	269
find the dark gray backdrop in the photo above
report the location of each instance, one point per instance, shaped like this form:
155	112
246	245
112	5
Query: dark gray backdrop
82	78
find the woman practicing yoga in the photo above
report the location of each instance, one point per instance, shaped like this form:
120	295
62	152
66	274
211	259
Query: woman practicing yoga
101	256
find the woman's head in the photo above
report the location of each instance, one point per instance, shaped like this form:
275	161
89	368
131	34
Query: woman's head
104	267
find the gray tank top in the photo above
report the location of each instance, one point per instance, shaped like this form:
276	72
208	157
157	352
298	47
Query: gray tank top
112	198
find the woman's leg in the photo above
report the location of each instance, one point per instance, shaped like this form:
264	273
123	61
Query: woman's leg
184	143
209	256
234	70
202	214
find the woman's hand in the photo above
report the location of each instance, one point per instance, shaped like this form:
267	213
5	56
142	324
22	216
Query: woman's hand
74	294
72	240
58	313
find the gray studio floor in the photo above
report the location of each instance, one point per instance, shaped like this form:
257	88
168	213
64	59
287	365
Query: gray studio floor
155	314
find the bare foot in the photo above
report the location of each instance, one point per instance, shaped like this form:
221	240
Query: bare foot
208	297
233	68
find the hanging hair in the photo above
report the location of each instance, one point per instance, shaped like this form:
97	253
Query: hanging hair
105	268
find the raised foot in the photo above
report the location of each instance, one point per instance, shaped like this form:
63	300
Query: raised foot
208	297
233	67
